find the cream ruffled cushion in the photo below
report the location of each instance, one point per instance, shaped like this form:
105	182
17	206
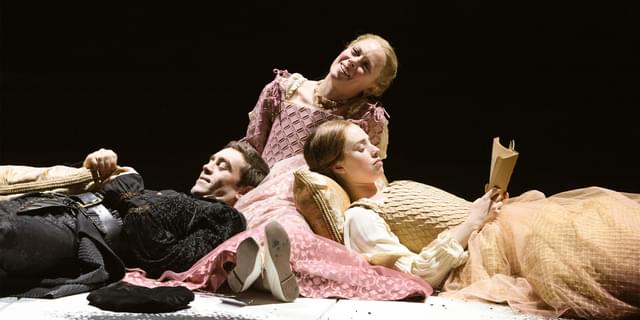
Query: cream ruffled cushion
322	202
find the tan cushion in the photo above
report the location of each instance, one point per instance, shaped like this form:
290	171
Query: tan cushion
16	180
322	202
417	213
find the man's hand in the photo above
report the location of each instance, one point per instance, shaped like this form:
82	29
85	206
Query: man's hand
102	163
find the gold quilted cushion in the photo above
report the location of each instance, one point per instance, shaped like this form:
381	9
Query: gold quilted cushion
417	213
322	202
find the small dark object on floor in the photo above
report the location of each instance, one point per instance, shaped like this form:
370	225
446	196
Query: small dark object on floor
126	297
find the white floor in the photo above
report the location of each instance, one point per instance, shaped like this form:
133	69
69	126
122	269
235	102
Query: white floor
262	306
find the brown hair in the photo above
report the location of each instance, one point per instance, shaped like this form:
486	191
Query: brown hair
390	69
325	146
256	168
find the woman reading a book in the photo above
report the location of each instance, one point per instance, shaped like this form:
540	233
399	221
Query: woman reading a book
343	151
572	254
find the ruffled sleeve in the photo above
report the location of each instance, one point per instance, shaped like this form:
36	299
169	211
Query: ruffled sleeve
262	115
435	260
368	234
375	122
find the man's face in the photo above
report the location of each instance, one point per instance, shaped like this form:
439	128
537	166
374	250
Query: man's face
220	176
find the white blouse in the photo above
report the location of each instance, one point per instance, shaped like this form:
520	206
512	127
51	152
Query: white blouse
367	233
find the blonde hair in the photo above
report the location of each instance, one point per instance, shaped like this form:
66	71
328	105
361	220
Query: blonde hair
390	69
325	146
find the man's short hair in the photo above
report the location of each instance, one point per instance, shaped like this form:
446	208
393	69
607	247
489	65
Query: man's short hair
256	168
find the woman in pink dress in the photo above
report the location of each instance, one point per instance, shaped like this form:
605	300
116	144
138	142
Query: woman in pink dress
291	106
288	110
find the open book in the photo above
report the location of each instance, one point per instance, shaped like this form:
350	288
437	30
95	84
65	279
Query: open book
503	160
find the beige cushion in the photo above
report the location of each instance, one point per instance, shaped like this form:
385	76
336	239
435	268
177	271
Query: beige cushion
415	212
322	202
16	180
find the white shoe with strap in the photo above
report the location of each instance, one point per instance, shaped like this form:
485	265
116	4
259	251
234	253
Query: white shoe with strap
248	266
277	267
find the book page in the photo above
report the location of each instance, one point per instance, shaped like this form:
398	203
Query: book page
503	160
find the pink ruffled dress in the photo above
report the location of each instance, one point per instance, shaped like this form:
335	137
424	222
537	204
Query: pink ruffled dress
279	128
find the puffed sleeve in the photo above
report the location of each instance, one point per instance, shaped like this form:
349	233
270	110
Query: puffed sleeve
375	121
368	234
261	117
435	260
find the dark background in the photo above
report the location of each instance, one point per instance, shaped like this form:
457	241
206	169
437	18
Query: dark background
165	85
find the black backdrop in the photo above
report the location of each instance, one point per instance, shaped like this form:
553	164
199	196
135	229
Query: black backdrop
165	85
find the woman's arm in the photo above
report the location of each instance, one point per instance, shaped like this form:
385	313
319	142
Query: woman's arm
365	232
368	234
482	210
